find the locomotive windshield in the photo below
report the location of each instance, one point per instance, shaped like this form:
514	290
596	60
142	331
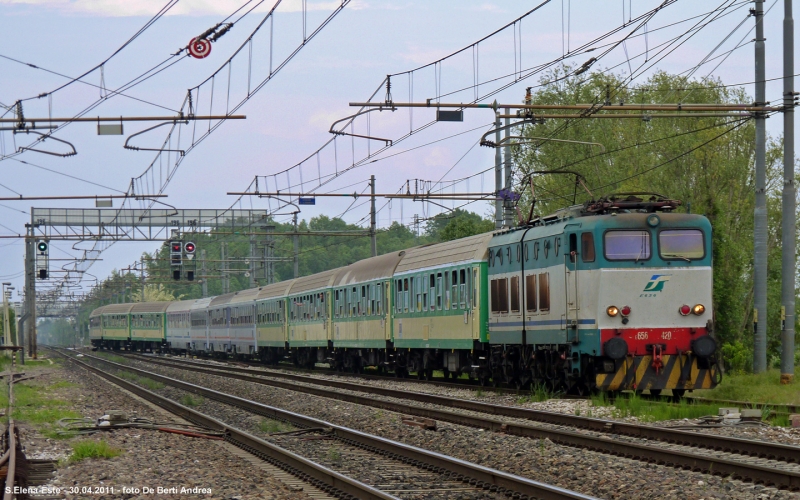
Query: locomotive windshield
681	244
627	245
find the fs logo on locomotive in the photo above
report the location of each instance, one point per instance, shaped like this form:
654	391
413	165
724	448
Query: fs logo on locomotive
656	284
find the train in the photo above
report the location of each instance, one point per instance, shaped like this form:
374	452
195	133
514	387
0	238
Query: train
609	295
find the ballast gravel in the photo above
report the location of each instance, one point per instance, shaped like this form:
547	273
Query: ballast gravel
588	472
183	467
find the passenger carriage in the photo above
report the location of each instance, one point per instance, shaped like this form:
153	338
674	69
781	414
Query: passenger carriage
179	326
271	329
200	321
439	306
116	326
219	322
243	322
148	325
362	326
309	319
96	327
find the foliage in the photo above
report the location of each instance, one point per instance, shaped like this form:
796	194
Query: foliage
761	388
154	293
646	410
12	322
92	449
705	162
61	332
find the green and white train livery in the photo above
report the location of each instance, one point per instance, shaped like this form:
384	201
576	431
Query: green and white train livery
610	295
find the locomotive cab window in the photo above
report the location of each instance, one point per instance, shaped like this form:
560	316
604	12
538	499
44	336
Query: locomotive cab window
681	244
627	245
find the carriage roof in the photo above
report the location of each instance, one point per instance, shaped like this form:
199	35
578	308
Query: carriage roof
280	289
467	249
382	266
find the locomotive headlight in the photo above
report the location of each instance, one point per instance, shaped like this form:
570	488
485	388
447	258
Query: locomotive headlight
612	311
699	309
685	310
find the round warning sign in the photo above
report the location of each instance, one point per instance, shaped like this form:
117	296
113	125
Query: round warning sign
199	48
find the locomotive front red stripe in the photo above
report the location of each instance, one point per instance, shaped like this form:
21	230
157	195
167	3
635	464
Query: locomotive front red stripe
641	340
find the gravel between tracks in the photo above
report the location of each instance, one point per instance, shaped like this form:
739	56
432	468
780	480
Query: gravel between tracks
580	470
150	458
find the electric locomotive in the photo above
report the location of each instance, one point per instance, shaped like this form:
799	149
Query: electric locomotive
614	294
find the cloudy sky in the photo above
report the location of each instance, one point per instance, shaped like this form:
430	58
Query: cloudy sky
288	119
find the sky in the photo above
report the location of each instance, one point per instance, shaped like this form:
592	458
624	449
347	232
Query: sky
289	117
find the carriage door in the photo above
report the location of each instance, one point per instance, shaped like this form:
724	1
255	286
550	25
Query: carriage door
571	287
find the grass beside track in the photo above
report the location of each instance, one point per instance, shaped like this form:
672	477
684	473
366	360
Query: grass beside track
761	388
92	449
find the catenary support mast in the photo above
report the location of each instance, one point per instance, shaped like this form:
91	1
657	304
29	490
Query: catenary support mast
788	223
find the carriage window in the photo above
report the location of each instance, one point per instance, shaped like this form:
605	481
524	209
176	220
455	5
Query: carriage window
530	293
558	245
527	254
419	287
439	291
681	244
544	292
405	294
587	247
399	298
491	257
518	256
627	245
446	290
462	284
536	251
515	294
454	289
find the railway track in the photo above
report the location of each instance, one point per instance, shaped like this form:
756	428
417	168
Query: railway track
606	440
430	474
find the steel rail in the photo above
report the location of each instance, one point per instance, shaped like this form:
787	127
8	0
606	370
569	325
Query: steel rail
484	476
775	451
604	444
318	475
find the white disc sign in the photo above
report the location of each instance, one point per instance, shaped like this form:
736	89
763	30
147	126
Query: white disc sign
199	48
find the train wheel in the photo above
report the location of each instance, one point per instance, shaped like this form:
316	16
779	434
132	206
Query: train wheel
655	392
677	394
429	374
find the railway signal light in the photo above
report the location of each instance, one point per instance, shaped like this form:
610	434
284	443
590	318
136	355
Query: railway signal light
189	247
42	256
175	253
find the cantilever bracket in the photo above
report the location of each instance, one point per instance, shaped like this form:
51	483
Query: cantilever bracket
41	139
539	140
340	132
135	148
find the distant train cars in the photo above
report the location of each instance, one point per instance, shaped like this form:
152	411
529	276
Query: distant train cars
610	295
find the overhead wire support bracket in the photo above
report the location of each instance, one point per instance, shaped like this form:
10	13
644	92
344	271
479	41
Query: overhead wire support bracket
380	107
135	148
42	139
